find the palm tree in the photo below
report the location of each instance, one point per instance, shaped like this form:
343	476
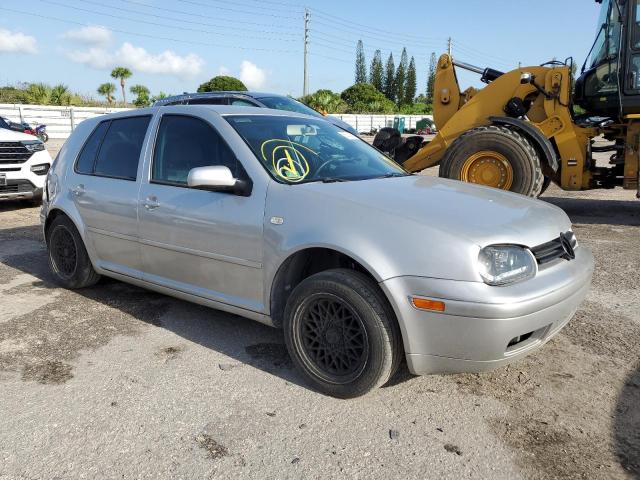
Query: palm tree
60	95
38	93
121	73
107	89
142	95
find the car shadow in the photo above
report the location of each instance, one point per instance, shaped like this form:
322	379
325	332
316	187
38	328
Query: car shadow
626	428
245	341
599	211
11	205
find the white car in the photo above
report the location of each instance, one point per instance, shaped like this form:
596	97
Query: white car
24	163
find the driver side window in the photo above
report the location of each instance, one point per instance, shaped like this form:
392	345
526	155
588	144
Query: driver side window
186	142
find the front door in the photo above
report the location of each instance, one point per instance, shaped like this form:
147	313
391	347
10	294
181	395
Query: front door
200	242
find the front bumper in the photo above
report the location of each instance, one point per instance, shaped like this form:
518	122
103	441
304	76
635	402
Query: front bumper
485	327
21	182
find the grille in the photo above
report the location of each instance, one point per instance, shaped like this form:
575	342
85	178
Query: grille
17	186
553	250
13	152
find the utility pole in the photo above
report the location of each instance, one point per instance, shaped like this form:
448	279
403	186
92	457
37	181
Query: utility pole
305	87
450	46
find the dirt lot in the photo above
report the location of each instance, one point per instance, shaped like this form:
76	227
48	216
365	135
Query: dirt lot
114	381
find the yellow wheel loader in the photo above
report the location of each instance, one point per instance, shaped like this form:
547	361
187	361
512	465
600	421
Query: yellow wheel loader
522	130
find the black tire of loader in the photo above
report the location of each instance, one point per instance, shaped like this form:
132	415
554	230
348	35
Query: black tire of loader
523	157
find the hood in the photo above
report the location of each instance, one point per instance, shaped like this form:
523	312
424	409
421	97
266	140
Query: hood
482	215
414	225
7	135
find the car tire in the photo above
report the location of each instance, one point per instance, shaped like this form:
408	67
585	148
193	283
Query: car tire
341	333
68	256
494	156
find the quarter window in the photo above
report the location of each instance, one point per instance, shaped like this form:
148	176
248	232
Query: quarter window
89	152
184	143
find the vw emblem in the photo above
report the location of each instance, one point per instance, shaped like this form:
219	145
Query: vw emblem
565	241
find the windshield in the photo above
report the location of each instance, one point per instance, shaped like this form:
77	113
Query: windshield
300	150
608	34
288	104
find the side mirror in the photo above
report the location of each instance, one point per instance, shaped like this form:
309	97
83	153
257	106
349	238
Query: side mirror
217	178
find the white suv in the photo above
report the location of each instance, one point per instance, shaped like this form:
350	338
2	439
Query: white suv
24	163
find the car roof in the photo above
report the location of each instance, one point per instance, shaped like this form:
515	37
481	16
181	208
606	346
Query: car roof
219	93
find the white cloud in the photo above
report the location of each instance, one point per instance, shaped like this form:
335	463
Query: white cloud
252	75
93	35
17	42
139	60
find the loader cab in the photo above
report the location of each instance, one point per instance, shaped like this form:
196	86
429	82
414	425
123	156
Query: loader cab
609	84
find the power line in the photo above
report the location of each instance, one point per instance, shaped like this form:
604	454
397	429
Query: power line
145	35
156	24
200	4
202	15
164	17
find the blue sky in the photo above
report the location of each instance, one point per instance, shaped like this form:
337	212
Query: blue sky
174	45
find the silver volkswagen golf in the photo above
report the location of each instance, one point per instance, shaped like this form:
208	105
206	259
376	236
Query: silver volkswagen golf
288	220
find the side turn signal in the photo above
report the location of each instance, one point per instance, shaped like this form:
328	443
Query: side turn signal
427	304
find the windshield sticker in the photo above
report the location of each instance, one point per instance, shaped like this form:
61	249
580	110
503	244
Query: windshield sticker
289	163
347	135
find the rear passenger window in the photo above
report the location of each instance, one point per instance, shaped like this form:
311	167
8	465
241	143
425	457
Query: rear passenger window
187	142
119	153
88	155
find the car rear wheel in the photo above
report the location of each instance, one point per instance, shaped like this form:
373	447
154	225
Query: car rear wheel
497	157
341	333
68	257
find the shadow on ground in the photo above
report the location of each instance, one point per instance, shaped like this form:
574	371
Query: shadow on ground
627	425
598	211
244	340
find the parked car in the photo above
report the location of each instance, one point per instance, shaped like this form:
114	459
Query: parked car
288	220
24	163
251	99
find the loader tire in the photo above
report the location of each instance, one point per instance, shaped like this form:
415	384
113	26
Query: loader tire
494	156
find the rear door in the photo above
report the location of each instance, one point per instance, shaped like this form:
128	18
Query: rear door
104	187
200	242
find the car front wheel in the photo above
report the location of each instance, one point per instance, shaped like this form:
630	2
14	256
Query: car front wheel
341	333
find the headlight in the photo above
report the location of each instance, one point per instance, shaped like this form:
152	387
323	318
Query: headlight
503	264
41	169
33	145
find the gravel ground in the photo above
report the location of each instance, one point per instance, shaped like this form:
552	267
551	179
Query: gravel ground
114	381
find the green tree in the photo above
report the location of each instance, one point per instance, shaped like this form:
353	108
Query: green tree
410	86
222	83
376	72
159	96
121	73
325	101
60	95
401	77
365	98
107	90
38	93
142	95
389	88
361	65
431	78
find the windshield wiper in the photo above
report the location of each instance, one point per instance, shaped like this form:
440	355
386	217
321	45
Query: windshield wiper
324	180
394	174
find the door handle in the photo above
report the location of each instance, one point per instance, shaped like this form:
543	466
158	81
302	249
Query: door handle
151	203
78	190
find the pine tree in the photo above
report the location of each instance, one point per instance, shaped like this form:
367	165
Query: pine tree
401	76
410	86
431	79
376	72
361	65
389	88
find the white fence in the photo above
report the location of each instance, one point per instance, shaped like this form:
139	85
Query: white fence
60	121
364	122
